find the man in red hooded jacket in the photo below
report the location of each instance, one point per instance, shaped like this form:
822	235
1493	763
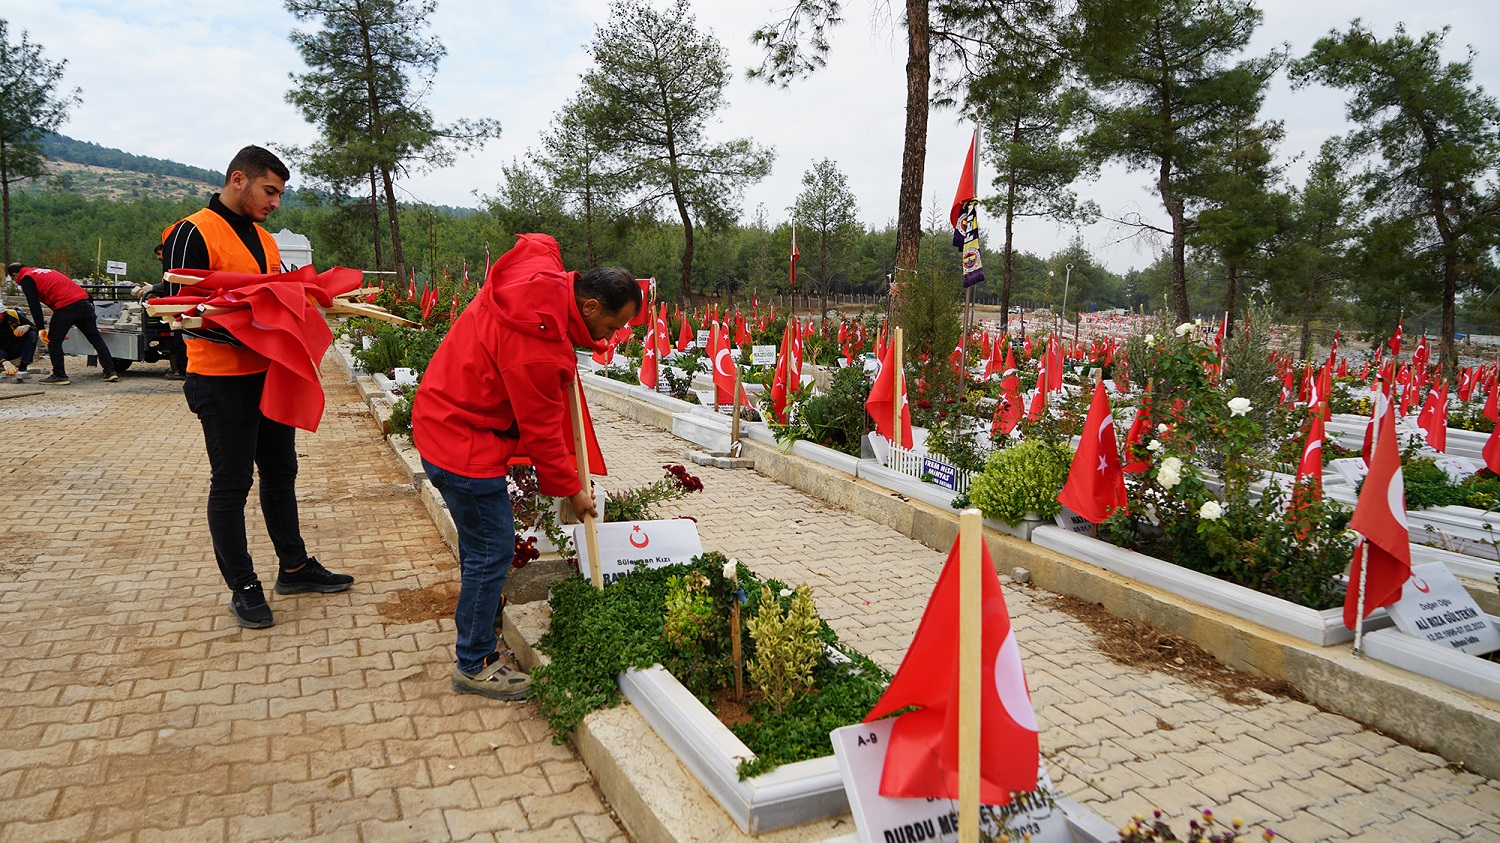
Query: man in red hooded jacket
498	387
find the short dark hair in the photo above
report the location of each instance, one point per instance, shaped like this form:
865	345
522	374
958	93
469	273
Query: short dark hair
254	162
13	268
613	286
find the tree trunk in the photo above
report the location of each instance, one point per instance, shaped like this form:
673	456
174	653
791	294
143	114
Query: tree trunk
1233	271
914	153
687	247
1307	327
5	196
1179	254
390	210
1007	272
375	219
1450	292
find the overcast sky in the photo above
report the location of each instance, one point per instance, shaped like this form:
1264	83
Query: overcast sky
193	82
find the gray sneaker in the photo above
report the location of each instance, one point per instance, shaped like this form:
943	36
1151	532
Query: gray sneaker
495	681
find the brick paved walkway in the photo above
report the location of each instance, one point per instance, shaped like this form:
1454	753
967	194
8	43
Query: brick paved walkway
1120	740
132	706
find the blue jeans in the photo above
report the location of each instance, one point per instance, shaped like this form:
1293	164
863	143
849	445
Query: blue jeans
481	511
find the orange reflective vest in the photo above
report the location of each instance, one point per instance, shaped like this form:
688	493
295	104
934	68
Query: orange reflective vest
226	253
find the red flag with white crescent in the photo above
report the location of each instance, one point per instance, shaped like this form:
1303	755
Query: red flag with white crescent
1096	485
922	759
1380	520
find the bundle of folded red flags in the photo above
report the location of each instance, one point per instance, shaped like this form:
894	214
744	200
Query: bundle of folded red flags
279	316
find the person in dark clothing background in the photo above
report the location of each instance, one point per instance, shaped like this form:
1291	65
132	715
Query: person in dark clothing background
17	339
176	347
70	306
223	386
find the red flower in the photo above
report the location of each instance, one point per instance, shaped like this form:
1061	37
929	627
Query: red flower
525	551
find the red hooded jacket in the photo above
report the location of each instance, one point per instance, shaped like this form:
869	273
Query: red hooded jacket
497	387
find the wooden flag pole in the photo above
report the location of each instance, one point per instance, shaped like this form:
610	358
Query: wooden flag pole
969	633
899	389
734	434
734	636
581	449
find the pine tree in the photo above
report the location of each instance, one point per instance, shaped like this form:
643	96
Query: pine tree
31	106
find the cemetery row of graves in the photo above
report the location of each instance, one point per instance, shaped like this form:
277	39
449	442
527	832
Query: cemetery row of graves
1188	457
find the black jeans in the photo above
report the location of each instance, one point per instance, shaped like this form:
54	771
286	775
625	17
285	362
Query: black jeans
22	348
239	438
80	313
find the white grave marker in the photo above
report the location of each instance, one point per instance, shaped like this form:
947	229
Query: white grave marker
1072	521
763	355
1434	607
625	544
702	340
860	750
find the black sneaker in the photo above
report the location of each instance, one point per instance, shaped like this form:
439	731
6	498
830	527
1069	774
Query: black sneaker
55	380
312	576
111	377
249	607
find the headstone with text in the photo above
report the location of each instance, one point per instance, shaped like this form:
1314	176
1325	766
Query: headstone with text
1435	607
763	355
860	750
940	473
114	267
1072	521
625	546
702	339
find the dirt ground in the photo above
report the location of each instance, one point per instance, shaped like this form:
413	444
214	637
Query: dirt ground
1139	644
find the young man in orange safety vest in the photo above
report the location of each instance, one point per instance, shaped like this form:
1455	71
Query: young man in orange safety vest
224	383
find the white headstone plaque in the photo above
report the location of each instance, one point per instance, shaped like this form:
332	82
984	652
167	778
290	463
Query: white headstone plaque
624	545
1435	607
1072	521
763	355
860	750
702	340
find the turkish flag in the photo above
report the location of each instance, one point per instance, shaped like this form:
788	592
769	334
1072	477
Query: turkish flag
1492	404
1008	413
1054	364
1491	450
1310	467
663	333
1134	439
1380	405
724	366
642	315
922	759
1434	418
881	404
778	386
685	335
1380	520
648	374
1096	486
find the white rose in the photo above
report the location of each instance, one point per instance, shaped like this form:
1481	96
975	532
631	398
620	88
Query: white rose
1239	406
1153	446
729	568
1210	511
1150	340
1184	329
1170	472
1161	428
786	592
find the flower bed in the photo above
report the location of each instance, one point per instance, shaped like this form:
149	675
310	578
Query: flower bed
678	617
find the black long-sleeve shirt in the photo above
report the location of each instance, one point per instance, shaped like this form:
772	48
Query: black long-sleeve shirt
186	248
